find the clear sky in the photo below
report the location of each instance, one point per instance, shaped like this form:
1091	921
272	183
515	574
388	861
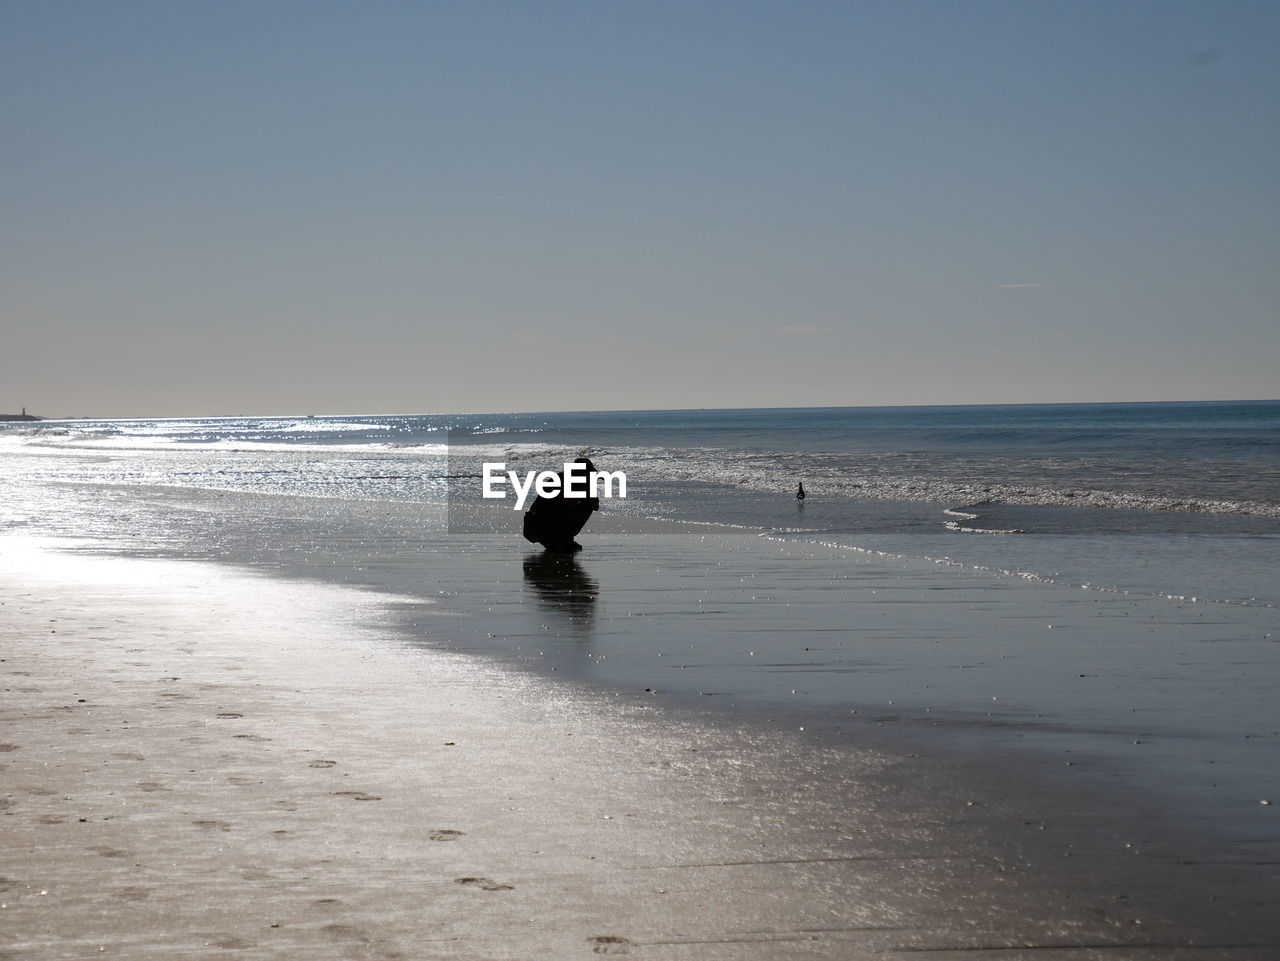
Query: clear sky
271	206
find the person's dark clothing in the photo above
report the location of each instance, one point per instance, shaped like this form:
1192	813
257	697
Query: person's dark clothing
555	520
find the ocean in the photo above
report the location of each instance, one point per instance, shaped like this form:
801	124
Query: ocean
1167	499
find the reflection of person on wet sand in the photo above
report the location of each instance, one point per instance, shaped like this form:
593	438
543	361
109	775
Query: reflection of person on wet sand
563	587
554	520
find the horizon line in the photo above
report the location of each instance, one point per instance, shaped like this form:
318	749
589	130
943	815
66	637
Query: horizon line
664	410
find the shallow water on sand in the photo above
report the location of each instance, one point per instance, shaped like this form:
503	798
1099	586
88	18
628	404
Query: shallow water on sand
592	820
1169	692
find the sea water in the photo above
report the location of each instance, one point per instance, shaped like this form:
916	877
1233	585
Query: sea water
1165	499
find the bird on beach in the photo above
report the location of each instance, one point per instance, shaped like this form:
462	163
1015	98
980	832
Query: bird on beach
800	495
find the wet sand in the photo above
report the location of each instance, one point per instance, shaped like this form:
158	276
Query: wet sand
205	762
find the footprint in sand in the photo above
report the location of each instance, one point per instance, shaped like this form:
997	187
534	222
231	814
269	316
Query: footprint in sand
234	944
133	893
150	787
446	834
7	883
358	795
212	825
322	764
51	819
608	944
5	748
111	852
346	932
485	884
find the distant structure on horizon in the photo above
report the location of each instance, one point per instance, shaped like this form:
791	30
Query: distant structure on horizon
23	416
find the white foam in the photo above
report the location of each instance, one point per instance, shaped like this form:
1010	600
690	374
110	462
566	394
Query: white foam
79	441
830	475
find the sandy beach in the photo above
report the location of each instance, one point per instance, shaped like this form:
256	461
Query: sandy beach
205	762
700	481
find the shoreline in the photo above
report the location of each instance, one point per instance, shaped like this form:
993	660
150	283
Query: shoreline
188	713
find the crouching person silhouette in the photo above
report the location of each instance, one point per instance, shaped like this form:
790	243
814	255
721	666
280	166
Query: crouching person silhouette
555	520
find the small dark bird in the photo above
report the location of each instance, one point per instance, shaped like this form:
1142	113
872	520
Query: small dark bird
800	493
